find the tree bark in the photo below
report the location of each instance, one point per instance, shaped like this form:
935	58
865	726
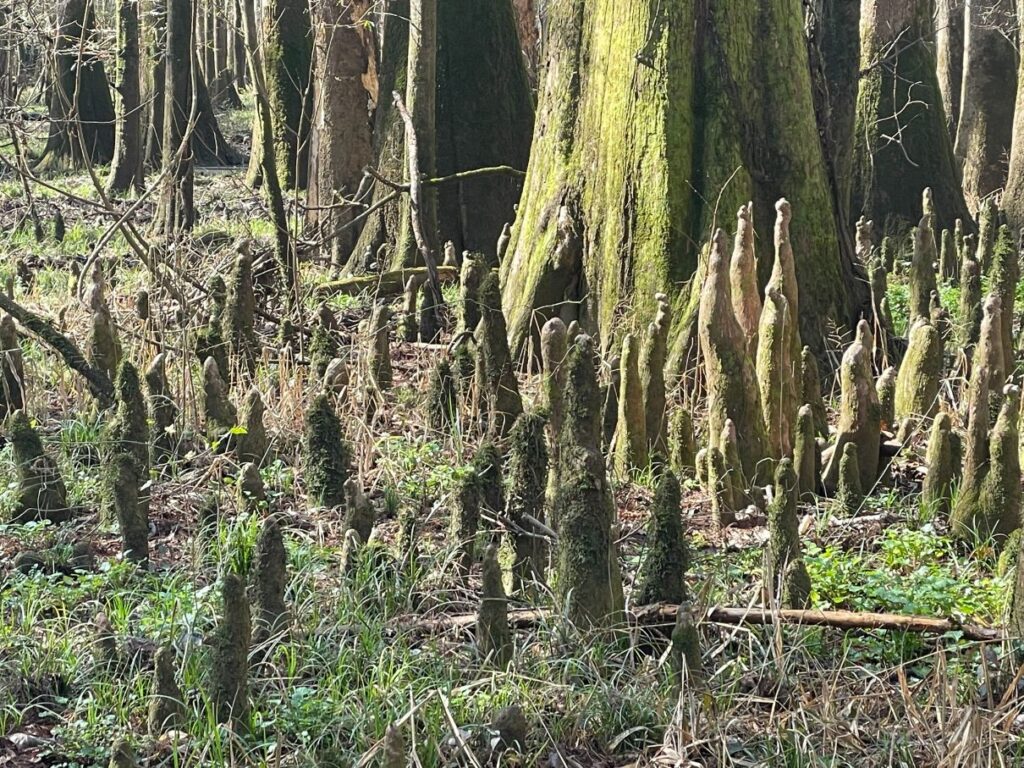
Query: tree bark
988	92
236	36
1013	196
902	145
949	57
287	57
126	168
81	109
157	60
176	211
656	122
340	136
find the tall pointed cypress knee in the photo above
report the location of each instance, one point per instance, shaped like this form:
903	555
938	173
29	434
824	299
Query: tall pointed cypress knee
805	457
493	636
787	574
885	388
746	296
775	373
631	437
682	447
662	577
527	482
128	477
500	403
166	707
12	368
811	390
327	454
652	378
253	444
228	656
553	347
240	314
163	411
940	463
917	385
270	580
849	491
41	491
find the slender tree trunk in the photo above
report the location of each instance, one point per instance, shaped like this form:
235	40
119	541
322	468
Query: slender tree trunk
81	110
220	40
986	107
1013	196
209	41
157	59
657	120
126	169
236	36
176	211
340	136
902	145
949	57
287	58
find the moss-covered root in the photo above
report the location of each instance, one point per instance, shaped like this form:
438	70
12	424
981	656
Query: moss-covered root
662	576
163	411
128	469
940	460
471	277
1005	276
493	636
394	749
270	580
123	492
527	483
811	391
380	347
466	519
729	372
685	652
775	373
859	412
228	656
409	323
917	385
681	443
104	349
990	510
442	397
251	493
359	513
787	574
885	388
630	432
238	324
166	707
219	414
850	492
922	271
12	396
970	312
652	378
122	755
805	452
586	585
41	491
719	483
253	443
327	454
746	296
500	403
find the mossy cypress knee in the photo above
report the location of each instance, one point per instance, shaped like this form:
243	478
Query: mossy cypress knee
12	379
805	459
949	258
163	411
238	325
885	388
682	445
720	488
380	347
471	278
811	390
917	385
787	574
585	581
442	397
746	295
128	470
662	576
493	636
729	444
527	483
394	749
1005	276
466	518
729	372
610	401
500	402
219	413
888	253
41	491
104	349
775	373
270	580
553	348
166	707
327	454
359	513
122	755
652	379
631	436
253	444
783	278
849	491
938	480
970	313
988	227
252	495
922	271
210	340
409	323
228	656
428	327
685	653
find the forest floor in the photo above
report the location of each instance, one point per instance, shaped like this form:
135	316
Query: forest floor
353	663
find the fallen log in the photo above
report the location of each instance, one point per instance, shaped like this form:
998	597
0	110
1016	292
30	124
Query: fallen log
383	284
661	614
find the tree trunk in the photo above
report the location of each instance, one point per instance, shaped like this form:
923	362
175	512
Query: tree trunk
209	41
528	28
157	61
208	143
949	57
220	59
1013	196
340	136
237	46
81	109
902	145
657	120
287	57
421	101
126	168
176	212
989	87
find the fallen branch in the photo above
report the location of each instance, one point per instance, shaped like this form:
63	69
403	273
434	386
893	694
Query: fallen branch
100	386
383	284
660	614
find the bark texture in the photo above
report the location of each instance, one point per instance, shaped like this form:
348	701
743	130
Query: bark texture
1013	195
949	57
126	168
